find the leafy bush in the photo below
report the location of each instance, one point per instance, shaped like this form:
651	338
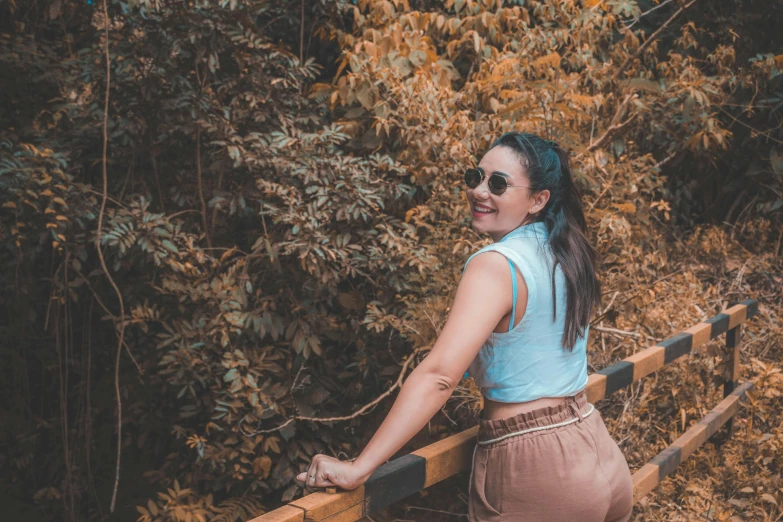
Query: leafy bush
286	220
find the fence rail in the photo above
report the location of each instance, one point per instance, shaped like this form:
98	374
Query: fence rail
652	473
422	468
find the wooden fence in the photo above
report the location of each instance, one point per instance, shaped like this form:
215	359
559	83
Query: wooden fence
411	473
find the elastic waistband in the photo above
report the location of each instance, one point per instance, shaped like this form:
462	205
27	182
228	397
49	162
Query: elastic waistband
571	409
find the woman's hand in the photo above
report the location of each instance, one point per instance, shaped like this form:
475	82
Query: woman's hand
325	471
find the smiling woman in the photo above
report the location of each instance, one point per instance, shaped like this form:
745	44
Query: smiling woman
510	209
542	449
532	373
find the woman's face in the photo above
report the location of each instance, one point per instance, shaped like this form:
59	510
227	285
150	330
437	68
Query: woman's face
499	215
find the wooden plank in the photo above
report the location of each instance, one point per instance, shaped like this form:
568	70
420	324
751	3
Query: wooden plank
618	376
667	461
737	314
284	514
719	324
752	308
676	346
701	334
394	481
647	361
621	374
351	514
449	456
733	343
321	505
596	387
697	435
644	481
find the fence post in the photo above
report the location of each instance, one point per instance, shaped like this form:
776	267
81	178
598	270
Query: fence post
733	342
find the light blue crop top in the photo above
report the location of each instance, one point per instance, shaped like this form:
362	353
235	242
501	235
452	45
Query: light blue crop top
529	362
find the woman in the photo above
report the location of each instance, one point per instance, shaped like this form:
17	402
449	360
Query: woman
519	324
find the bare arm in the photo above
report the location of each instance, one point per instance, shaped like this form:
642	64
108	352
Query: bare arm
483	297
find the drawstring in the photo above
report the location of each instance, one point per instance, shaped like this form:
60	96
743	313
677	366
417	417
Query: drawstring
472	465
578	418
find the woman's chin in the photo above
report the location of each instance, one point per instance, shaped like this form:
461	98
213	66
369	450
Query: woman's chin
478	226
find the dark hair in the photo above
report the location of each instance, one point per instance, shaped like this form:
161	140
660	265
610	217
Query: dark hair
546	166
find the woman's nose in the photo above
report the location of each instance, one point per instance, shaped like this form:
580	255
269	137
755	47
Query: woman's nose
482	191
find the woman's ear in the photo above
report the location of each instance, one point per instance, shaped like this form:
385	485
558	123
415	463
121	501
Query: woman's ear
540	199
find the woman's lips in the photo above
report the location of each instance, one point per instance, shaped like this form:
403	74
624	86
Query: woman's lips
476	207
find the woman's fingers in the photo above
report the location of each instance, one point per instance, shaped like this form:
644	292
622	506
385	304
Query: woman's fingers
317	482
312	472
317	474
321	483
325	471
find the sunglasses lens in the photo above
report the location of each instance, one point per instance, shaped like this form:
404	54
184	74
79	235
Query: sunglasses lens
472	178
497	184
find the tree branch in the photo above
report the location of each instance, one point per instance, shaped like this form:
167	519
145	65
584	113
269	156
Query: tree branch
201	189
360	411
651	39
666	160
636	20
615	331
121	335
199	175
614	125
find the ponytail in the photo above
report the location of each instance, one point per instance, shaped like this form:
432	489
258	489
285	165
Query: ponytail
547	167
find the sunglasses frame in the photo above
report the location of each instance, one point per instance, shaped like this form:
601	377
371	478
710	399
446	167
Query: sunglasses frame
483	175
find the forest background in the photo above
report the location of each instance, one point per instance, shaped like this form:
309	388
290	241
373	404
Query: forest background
256	222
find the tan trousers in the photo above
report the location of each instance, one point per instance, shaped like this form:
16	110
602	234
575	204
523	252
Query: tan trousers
565	467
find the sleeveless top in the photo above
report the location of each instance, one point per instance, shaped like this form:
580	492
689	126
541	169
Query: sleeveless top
529	362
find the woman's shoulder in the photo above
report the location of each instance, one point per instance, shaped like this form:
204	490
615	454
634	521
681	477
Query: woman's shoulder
523	259
500	248
494	257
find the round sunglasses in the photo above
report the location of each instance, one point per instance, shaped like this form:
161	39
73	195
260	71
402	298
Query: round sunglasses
497	184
